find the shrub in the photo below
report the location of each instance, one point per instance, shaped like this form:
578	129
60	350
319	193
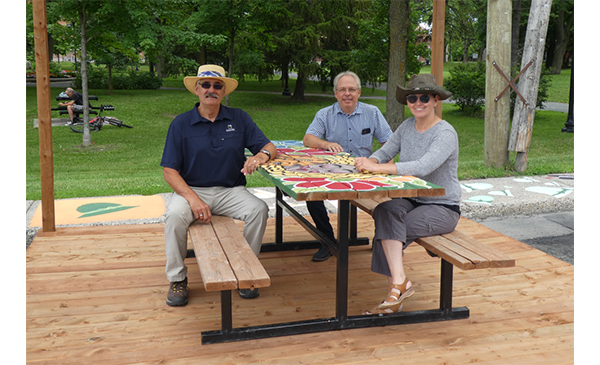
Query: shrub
133	80
467	84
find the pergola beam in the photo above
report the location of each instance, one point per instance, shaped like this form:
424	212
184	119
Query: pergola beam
40	30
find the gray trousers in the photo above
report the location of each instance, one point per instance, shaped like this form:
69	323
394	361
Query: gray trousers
236	202
400	220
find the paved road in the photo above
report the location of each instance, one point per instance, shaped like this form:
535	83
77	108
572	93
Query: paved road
552	233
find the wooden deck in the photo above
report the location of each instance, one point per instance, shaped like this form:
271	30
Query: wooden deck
96	295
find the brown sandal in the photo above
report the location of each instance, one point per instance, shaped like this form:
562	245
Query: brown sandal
376	310
397	294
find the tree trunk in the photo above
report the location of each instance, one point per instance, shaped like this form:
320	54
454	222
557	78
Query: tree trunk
87	137
299	88
516	22
110	83
399	20
230	68
561	35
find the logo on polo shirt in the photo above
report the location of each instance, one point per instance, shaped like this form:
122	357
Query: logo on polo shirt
230	128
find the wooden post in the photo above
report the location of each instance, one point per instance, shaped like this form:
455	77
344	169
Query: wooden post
437	46
40	30
535	39
497	112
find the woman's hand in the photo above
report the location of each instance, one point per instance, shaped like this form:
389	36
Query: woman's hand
364	164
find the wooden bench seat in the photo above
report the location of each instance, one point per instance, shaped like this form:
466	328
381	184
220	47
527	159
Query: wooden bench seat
225	259
226	263
455	247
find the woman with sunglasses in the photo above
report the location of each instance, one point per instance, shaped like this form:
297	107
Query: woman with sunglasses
427	148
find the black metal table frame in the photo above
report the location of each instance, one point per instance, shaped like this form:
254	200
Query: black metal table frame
346	229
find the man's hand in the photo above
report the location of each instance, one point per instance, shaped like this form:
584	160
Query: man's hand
333	147
199	208
253	162
316	142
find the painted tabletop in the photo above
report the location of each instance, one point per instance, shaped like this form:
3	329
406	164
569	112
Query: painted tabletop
314	174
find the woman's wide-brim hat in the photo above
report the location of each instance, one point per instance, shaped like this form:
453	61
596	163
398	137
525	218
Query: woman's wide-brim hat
421	84
210	72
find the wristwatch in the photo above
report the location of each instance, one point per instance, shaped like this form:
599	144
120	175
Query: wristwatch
266	152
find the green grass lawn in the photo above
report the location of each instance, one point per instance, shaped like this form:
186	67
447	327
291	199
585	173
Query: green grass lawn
126	161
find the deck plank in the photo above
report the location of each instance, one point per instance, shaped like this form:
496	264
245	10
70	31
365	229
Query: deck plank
97	295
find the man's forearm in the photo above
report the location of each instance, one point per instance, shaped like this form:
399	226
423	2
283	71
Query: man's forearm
176	182
313	141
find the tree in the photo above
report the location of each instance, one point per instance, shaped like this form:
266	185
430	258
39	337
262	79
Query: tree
225	19
301	42
83	13
560	34
461	21
371	55
399	20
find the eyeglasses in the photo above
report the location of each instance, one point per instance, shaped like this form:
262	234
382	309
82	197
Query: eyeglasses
208	84
350	90
424	98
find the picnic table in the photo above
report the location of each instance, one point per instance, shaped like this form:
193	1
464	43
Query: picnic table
307	174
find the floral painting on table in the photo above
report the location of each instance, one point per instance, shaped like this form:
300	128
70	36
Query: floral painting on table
303	170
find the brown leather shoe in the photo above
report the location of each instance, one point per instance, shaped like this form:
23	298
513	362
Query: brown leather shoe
178	293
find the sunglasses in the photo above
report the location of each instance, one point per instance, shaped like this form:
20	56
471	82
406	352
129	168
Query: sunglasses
208	84
424	98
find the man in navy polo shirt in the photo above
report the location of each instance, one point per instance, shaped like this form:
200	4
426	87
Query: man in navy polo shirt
346	126
204	162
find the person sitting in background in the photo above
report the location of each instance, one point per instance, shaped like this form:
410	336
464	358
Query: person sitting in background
75	105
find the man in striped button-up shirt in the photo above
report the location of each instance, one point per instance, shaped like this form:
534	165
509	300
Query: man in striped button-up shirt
346	126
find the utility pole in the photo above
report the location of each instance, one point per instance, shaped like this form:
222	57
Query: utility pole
497	110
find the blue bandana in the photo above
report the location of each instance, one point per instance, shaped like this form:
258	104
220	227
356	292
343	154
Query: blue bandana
209	74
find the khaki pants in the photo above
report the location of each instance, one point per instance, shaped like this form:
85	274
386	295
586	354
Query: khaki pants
236	202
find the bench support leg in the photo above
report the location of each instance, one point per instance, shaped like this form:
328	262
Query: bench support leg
446	287
341	296
226	311
278	217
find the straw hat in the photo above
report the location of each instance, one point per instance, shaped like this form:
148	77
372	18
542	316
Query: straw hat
210	72
421	84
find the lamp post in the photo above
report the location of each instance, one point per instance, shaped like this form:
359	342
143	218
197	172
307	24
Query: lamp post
570	124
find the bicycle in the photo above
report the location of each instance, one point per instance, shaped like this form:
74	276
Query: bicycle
97	123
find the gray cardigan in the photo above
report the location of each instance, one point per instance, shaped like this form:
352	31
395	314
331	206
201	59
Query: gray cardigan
431	155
